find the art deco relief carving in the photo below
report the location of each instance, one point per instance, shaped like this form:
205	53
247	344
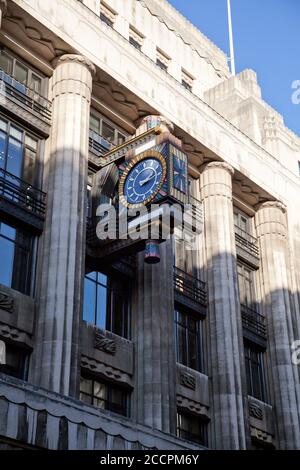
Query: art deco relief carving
192	406
106	370
6	302
261	436
105	344
6	331
188	380
255	411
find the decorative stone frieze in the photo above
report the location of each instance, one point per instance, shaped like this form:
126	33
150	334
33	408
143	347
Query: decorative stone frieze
6	302
104	344
188	380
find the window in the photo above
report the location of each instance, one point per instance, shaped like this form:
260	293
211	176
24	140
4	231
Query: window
184	257
20	71
162	60
107	303
241	221
15	361
18	152
107	14
186	80
16	258
188	337
192	428
246	286
106	130
254	362
135	38
104	395
299	167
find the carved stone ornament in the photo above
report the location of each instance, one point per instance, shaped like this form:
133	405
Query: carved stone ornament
6	302
104	344
255	411
188	380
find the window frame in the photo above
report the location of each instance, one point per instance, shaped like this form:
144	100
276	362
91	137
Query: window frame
117	130
249	350
199	337
110	388
202	438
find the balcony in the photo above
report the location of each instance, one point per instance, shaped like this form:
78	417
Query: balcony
21	200
190	291
98	146
253	323
25	102
247	247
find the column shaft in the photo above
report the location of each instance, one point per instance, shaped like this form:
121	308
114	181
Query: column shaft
277	305
56	356
224	319
155	394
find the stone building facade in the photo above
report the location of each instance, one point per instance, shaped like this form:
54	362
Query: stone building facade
99	350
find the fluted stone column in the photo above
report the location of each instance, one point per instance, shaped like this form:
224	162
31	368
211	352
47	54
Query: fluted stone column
155	394
224	319
272	232
3	9
55	364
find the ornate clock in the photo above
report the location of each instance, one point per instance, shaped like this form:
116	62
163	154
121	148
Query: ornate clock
142	179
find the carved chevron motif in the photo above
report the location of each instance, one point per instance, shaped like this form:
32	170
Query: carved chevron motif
255	411
6	302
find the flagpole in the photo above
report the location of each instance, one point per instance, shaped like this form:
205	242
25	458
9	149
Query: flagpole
232	62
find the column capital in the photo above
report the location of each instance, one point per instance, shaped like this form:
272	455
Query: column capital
74	58
273	205
219	166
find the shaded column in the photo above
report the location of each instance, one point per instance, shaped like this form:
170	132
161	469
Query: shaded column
277	306
155	394
224	319
55	364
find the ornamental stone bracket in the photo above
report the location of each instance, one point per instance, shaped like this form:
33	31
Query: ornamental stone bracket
106	371
192	406
14	334
261	436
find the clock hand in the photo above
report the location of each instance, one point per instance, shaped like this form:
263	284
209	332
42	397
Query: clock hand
146	179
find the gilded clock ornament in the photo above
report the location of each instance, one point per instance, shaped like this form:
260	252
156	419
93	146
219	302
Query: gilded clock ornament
142	179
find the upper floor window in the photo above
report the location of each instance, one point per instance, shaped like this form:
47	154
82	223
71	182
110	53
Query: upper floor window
20	71
107	303
255	372
14	360
18	151
184	256
186	80
242	221
246	282
188	337
106	129
16	258
192	428
135	38
107	14
104	395
162	60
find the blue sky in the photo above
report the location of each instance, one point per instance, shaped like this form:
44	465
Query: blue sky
266	39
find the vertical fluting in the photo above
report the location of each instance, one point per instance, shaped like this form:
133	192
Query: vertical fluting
55	362
155	349
224	319
277	306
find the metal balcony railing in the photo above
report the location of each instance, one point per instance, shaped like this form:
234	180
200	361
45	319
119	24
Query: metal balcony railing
24	96
190	286
22	194
253	321
97	144
246	241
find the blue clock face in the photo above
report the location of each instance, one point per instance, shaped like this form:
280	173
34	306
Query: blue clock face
143	180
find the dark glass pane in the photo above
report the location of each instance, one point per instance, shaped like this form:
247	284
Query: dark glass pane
117	317
21	73
35	83
95	124
3	142
7	251
117	401
182	345
15	362
89	301
193	360
101	306
100	395
14	158
6	63
108	132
